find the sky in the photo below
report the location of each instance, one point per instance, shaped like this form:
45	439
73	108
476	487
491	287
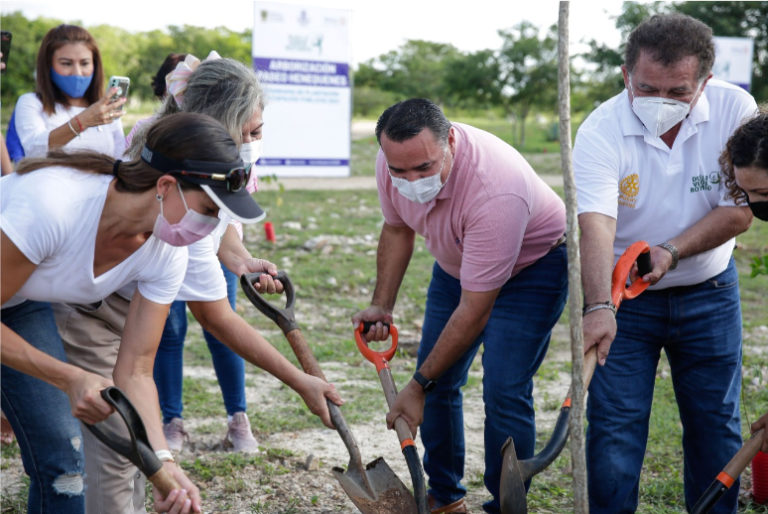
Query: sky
376	27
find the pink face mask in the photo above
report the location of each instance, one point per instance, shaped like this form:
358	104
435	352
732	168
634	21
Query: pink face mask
190	229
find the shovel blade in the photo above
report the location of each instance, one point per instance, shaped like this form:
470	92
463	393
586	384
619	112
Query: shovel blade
389	494
512	487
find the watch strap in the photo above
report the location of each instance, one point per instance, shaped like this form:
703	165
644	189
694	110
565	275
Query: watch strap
426	384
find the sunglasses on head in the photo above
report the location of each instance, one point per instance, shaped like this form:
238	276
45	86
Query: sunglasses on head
234	174
235	178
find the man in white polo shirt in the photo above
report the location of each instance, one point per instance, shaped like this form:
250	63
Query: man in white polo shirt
496	231
646	167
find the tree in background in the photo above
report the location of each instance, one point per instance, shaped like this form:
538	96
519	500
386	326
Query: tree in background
528	73
417	69
728	19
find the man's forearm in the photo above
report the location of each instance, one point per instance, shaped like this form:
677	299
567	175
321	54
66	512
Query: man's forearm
596	247
714	229
392	258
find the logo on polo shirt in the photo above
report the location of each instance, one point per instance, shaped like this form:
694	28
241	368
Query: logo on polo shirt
628	189
705	182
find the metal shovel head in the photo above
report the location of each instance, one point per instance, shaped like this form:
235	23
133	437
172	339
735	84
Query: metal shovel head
390	494
513	499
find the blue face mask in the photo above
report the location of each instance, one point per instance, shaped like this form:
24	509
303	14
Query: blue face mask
74	86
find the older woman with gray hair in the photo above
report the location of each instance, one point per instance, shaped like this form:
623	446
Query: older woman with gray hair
229	92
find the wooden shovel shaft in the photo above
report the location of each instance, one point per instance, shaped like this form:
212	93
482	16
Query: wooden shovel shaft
744	456
164	482
306	358
390	393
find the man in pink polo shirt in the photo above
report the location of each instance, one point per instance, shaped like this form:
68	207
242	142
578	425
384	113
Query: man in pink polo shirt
496	231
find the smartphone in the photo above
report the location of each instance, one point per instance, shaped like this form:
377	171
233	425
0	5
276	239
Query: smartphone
5	46
122	84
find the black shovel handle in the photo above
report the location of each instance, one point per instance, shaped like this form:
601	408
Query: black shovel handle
136	448
407	445
284	317
727	477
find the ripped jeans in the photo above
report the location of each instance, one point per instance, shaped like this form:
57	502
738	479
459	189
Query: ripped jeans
48	435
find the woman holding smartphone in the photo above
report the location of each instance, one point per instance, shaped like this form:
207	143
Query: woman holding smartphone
69	108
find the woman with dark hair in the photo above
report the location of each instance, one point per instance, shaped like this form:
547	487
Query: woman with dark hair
158	81
69	108
229	92
744	163
159	88
76	227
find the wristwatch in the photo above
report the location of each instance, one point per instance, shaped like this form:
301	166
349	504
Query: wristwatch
673	250
426	384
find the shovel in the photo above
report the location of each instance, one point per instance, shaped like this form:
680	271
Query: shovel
729	474
515	473
381	361
136	447
375	488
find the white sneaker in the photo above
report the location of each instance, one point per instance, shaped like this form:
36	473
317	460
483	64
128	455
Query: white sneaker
239	434
175	434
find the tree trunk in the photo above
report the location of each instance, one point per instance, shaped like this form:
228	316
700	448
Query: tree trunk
576	425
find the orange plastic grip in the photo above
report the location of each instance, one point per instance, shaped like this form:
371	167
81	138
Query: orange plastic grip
406	442
379	359
619	288
726	479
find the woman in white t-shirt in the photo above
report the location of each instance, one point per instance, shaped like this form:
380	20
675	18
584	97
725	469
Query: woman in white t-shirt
230	92
69	108
75	228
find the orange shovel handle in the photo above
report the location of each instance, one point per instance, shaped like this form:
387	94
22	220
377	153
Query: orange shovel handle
379	359
619	288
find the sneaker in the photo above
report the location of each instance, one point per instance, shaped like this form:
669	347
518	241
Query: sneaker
175	434
239	434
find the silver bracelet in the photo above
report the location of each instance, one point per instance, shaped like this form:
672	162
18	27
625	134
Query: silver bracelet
598	306
75	132
673	250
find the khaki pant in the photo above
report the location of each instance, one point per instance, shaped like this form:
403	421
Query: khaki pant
91	335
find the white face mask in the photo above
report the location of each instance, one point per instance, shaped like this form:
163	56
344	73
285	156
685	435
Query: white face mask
421	190
250	152
659	114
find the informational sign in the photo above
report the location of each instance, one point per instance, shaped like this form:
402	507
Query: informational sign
733	60
302	56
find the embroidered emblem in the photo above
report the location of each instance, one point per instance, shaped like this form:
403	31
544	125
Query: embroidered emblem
700	183
629	187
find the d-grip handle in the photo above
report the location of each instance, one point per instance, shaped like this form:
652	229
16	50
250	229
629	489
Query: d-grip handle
639	252
137	448
379	359
284	317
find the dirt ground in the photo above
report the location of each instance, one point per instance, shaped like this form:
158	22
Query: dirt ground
303	482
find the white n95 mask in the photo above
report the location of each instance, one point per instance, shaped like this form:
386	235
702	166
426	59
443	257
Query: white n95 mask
250	152
660	114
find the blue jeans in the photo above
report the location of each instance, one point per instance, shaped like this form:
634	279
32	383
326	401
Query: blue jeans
48	435
515	340
169	362
699	328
